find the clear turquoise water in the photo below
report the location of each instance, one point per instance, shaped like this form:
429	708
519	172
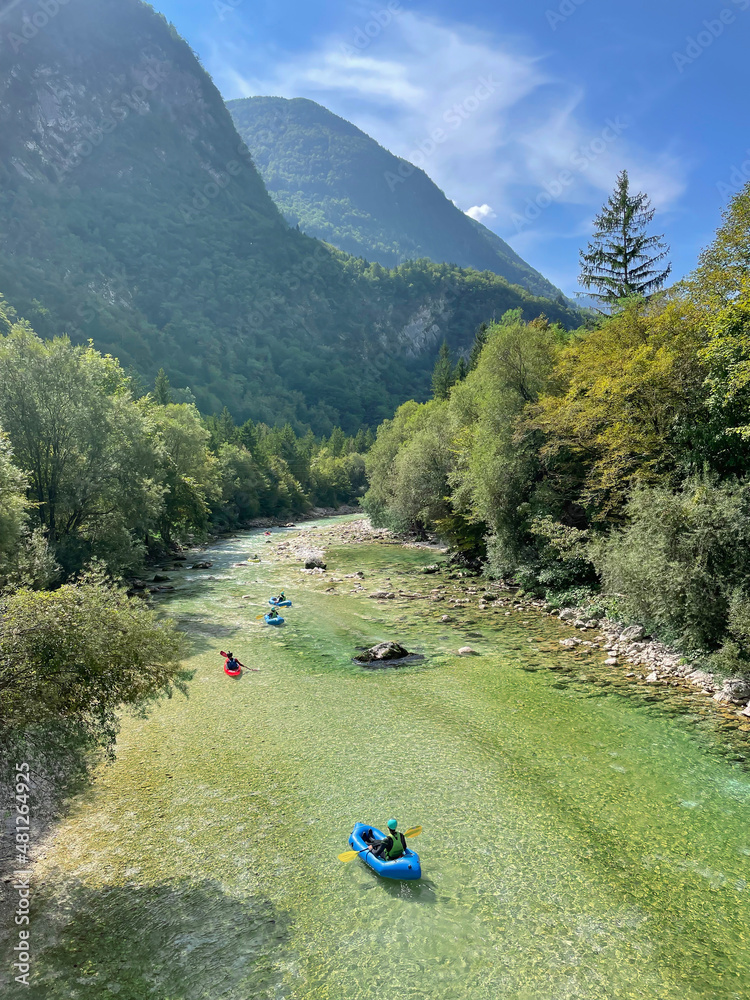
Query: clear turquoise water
581	839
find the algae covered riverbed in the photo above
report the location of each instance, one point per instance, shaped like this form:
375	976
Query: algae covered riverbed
581	840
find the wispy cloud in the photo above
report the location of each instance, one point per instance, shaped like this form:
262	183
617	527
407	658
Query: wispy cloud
528	126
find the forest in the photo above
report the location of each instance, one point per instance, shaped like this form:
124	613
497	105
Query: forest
604	466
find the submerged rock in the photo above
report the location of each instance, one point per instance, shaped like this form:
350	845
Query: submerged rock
383	651
202	565
467	651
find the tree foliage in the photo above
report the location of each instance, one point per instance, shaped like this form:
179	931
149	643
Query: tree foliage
623	259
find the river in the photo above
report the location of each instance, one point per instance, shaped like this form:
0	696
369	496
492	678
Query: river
582	838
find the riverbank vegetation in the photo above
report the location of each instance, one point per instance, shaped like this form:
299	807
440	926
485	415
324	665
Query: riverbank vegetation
92	466
607	464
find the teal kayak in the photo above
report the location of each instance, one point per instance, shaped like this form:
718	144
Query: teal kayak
405	867
273	621
279	604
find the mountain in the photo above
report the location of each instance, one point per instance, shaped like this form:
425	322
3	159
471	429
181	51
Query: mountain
338	184
132	213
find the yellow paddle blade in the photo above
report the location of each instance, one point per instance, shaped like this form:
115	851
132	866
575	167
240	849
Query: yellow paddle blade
259	617
413	831
348	856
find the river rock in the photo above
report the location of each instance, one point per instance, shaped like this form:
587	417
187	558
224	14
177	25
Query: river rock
570	643
653	677
161	579
611	661
567	615
383	651
746	710
632	634
446	618
467	651
431	569
382	595
202	565
735	691
315	562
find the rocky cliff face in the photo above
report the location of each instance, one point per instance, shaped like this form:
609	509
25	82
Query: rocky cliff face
132	213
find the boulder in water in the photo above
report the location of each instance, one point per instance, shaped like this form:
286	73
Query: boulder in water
383	651
467	651
202	565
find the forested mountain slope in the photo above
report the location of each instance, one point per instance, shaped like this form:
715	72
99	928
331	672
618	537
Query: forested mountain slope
132	213
340	185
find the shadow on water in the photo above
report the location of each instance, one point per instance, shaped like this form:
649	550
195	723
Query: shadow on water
181	941
420	891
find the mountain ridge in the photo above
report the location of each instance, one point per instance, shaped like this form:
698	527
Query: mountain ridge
131	213
362	198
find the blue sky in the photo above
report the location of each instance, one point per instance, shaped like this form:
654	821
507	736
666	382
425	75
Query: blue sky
537	103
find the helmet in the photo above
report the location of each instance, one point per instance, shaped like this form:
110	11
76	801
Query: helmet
392	824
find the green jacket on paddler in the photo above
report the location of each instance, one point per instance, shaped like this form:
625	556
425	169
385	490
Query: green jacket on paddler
398	842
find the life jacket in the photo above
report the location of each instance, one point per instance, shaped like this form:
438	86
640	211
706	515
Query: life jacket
398	845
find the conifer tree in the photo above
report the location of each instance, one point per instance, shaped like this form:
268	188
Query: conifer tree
162	393
443	375
480	340
622	258
462	370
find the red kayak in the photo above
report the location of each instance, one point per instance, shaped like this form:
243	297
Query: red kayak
227	671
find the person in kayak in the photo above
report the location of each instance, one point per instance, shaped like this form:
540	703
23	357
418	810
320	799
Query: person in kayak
233	663
280	598
391	847
273	613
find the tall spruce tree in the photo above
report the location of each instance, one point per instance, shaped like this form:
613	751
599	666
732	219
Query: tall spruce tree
443	375
162	389
623	259
480	339
462	370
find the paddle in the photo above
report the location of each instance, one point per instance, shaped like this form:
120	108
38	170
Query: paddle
348	856
256	669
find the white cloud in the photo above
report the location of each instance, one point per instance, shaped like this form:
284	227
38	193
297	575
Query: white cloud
481	212
509	125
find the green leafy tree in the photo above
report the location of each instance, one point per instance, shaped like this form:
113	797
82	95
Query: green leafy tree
189	473
623	259
13	506
83	444
724	267
443	375
70	659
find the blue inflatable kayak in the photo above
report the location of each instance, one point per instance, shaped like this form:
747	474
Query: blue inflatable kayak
279	604
405	867
273	621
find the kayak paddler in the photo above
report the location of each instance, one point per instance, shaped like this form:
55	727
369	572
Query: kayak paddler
391	847
280	598
273	613
233	663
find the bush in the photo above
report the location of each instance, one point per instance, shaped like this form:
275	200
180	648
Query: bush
683	564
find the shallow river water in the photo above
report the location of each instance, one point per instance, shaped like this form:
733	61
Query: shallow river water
581	839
